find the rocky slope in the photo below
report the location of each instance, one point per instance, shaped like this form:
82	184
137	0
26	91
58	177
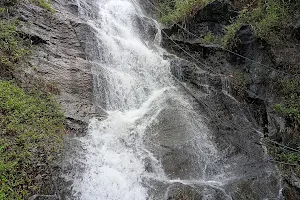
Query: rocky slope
249	71
236	94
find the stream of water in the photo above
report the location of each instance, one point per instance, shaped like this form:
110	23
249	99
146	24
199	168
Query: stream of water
152	137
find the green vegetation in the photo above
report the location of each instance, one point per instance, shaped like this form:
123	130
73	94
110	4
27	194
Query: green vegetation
13	48
239	84
267	19
44	4
30	123
173	11
290	108
290	157
287	159
211	38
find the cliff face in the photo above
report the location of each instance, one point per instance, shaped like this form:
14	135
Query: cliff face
61	58
250	70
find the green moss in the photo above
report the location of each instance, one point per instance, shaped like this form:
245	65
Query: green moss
173	11
31	127
291	112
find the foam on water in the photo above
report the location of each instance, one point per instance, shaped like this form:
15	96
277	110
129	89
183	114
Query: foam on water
114	157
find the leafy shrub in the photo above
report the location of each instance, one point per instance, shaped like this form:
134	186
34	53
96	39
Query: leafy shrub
31	127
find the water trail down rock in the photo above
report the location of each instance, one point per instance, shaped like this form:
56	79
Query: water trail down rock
153	143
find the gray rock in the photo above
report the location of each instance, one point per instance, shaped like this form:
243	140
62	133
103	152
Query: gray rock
61	59
236	127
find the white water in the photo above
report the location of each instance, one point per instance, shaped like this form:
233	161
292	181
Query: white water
137	86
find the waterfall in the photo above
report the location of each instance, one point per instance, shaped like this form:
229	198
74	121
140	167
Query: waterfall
137	89
152	139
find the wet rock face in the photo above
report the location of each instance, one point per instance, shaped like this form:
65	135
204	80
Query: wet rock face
237	129
61	57
146	27
234	130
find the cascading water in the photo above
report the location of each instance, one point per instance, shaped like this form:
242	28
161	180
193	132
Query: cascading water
152	138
